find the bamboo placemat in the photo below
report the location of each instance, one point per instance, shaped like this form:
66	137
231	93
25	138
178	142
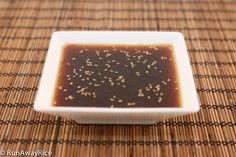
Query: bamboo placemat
209	28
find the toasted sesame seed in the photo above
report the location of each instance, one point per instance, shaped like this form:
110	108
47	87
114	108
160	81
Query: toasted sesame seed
60	87
107	54
120	100
120	77
111	99
140	93
132	64
70	97
97	52
164	82
123	80
130	104
154	62
94	95
97	85
137	73
159	99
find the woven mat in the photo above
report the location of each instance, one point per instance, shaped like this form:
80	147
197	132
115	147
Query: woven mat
209	28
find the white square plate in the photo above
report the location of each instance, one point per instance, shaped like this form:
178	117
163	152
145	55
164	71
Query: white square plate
43	102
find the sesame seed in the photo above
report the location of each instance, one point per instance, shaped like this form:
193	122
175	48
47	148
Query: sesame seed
97	85
111	99
164	82
120	100
154	62
112	106
137	73
123	80
120	77
97	52
60	87
107	54
70	97
159	99
130	104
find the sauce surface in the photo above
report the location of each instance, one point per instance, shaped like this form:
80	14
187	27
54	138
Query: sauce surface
117	76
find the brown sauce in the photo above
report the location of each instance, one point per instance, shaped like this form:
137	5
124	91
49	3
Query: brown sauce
117	76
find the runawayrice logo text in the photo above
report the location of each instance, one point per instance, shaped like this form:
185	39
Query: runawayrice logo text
26	153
